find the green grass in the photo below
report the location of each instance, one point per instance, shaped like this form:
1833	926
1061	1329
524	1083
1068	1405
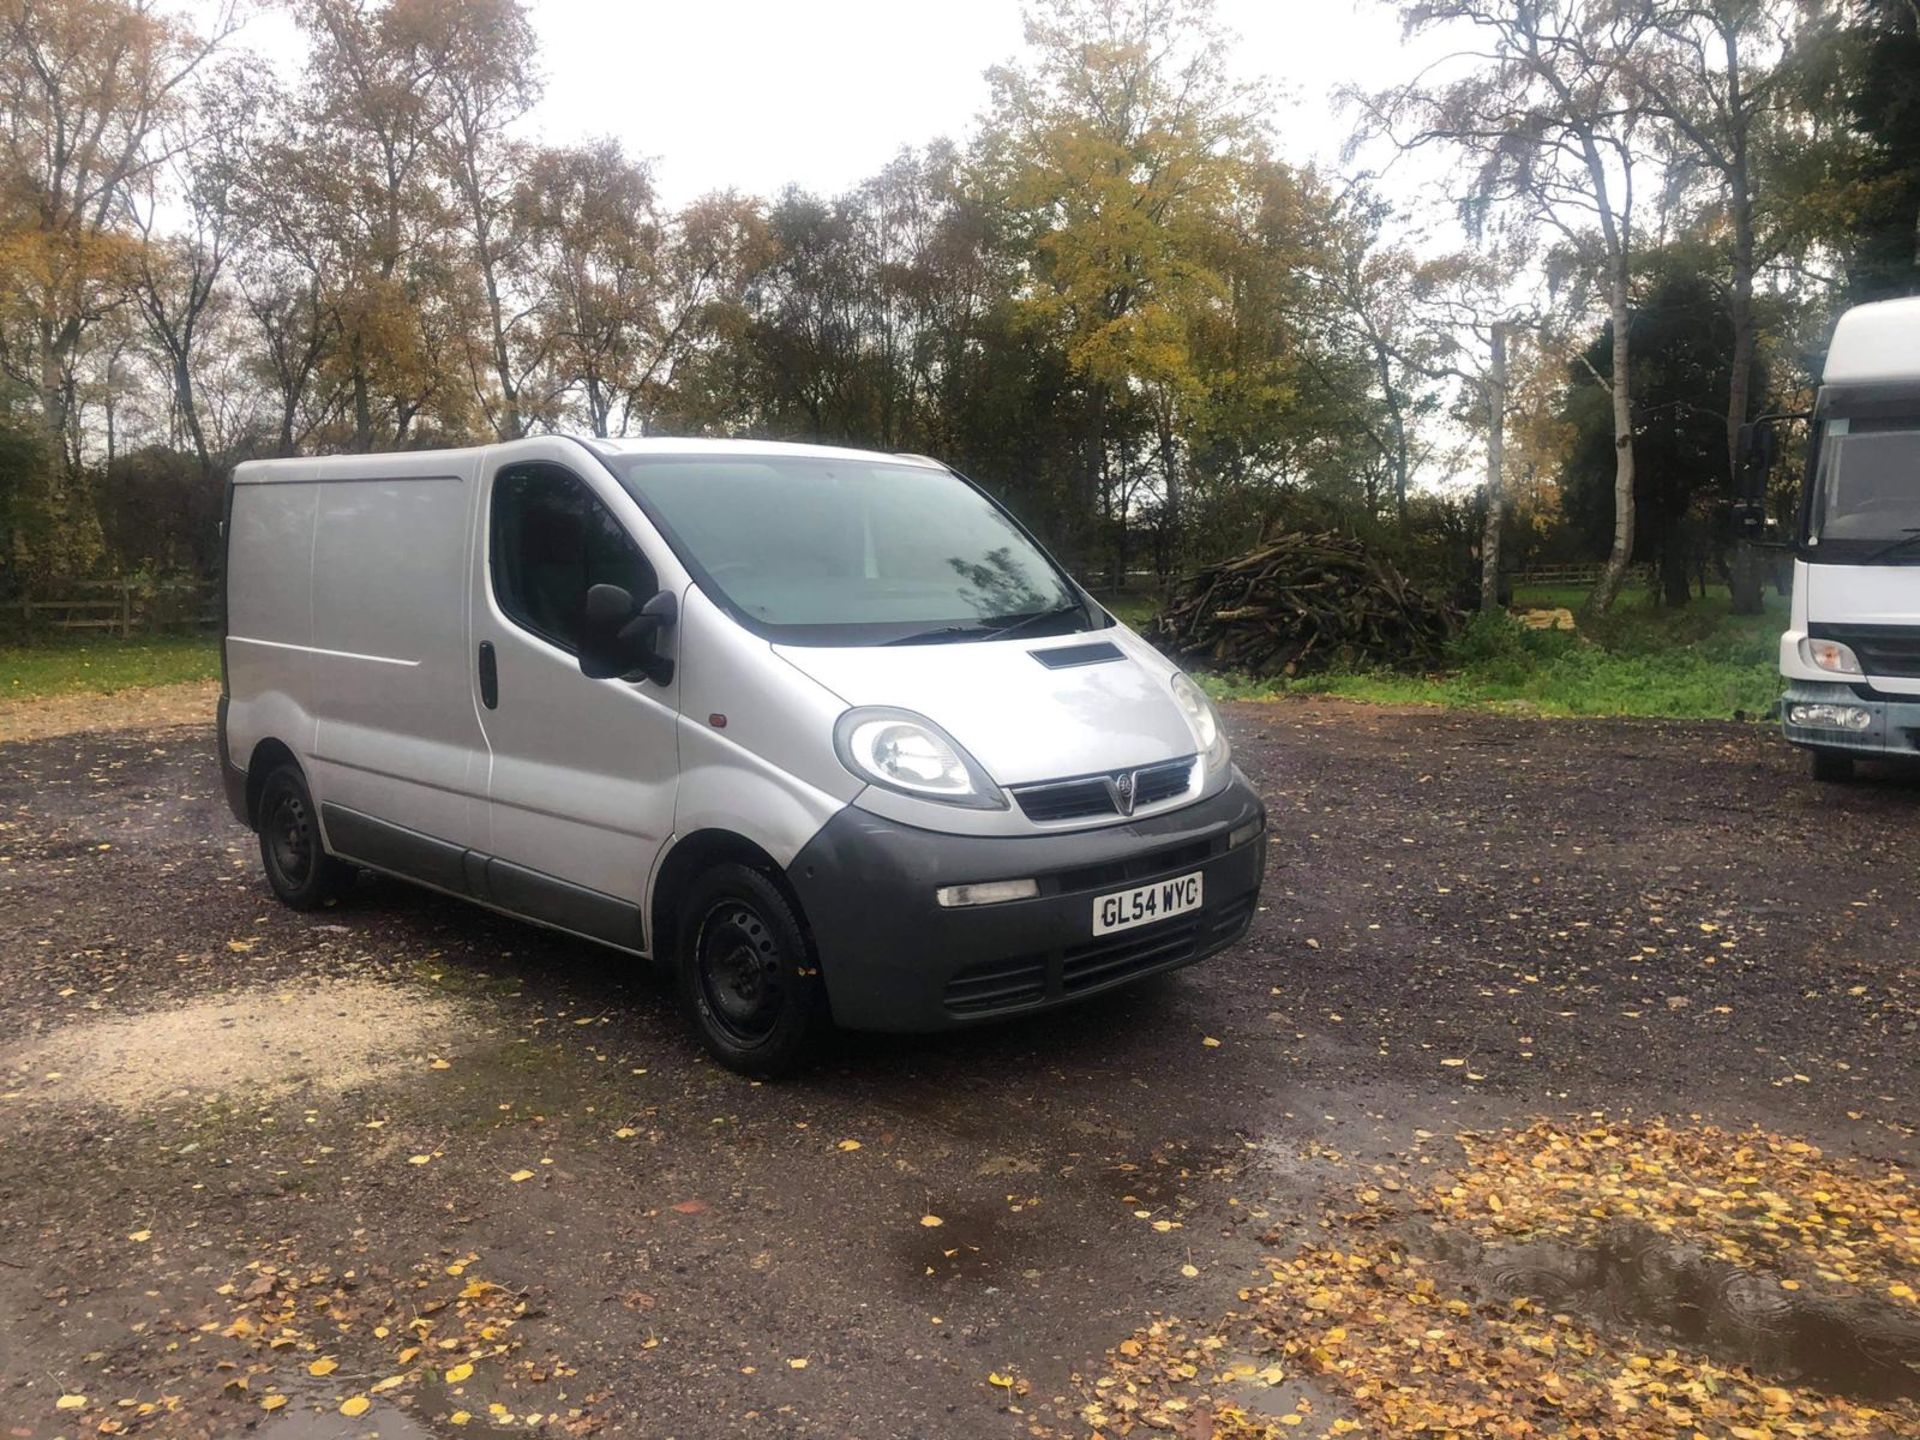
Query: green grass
1700	661
64	665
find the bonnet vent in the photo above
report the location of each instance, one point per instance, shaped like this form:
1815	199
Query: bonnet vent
1065	657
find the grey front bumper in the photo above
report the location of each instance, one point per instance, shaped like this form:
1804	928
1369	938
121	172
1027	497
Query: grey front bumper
1894	732
894	959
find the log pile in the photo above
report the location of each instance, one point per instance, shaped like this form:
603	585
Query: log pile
1302	602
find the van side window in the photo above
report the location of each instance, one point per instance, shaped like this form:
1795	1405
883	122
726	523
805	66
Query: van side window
551	540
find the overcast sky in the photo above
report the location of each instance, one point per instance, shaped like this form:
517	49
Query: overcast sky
755	94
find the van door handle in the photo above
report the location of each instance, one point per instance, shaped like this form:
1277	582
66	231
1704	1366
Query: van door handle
489	676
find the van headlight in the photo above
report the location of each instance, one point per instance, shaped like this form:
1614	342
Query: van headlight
899	750
1208	732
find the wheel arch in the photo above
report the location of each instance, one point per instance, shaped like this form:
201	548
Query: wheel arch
269	755
692	855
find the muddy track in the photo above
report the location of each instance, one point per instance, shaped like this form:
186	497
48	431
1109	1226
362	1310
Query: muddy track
1469	921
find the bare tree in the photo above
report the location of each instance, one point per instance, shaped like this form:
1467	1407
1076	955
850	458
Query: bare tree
1553	131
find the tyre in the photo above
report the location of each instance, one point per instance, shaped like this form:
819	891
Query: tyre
1829	768
298	867
747	972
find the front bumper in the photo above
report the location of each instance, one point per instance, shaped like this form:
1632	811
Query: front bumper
894	959
1893	734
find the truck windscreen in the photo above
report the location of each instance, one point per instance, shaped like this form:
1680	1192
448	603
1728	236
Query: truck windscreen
851	552
1867	490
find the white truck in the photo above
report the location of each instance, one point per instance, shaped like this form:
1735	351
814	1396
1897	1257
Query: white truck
1851	653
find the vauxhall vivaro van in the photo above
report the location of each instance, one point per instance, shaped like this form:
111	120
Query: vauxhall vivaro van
824	733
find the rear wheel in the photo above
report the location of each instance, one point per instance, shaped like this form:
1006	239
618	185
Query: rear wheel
298	867
1829	768
747	972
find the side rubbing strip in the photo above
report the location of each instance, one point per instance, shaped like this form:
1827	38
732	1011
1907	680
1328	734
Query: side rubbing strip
396	848
1064	657
515	889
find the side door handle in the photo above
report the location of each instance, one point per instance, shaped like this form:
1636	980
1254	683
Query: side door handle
489	676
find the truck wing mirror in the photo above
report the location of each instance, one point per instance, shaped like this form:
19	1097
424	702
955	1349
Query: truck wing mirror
1758	444
620	642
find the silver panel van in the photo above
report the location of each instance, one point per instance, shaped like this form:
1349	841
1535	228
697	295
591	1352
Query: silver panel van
824	733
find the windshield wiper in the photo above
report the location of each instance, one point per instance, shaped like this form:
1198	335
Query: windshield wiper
928	637
1024	622
1908	537
985	630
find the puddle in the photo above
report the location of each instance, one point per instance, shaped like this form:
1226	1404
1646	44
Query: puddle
326	1037
983	1243
313	1414
1839	1340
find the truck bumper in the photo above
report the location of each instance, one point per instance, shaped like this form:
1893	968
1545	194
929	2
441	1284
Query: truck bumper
1892	732
894	959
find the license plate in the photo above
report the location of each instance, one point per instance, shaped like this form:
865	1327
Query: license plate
1125	909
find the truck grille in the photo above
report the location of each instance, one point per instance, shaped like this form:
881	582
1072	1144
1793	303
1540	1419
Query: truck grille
1090	796
1889	650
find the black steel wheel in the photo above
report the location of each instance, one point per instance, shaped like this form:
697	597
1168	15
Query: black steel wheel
747	972
298	867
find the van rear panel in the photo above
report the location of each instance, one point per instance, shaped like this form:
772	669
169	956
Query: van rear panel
348	636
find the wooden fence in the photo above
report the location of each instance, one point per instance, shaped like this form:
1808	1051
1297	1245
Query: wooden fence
1582	575
116	607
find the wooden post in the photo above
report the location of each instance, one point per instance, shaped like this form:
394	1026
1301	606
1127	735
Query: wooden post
126	609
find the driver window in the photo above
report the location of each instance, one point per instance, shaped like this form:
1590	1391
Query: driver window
550	541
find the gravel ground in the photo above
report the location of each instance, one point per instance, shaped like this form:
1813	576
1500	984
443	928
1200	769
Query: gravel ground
404	1168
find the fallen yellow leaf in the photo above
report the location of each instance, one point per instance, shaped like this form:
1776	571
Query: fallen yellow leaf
459	1417
797	1363
71	1402
849	1144
140	1235
418	1159
1005	1382
357	1405
459	1373
520	1175
324	1366
273	1402
930	1221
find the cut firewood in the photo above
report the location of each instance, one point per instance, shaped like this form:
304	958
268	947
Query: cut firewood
1301	602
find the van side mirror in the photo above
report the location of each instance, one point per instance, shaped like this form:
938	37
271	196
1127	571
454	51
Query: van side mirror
621	642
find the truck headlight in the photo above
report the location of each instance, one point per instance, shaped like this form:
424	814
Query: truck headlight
899	750
1822	716
1830	655
1203	719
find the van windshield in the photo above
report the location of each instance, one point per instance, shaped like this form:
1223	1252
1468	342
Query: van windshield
1868	488
829	551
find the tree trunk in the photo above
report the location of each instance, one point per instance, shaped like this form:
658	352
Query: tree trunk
1170	523
1744	574
1496	488
1607	589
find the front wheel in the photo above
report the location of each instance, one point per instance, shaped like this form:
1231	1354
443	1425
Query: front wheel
1831	769
298	866
747	972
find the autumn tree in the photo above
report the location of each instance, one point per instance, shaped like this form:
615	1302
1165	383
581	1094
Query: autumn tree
87	89
1120	146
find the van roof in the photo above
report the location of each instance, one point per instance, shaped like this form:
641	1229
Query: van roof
1876	342
401	463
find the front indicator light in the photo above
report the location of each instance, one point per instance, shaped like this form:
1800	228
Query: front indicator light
1831	656
1249	831
1831	717
988	892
